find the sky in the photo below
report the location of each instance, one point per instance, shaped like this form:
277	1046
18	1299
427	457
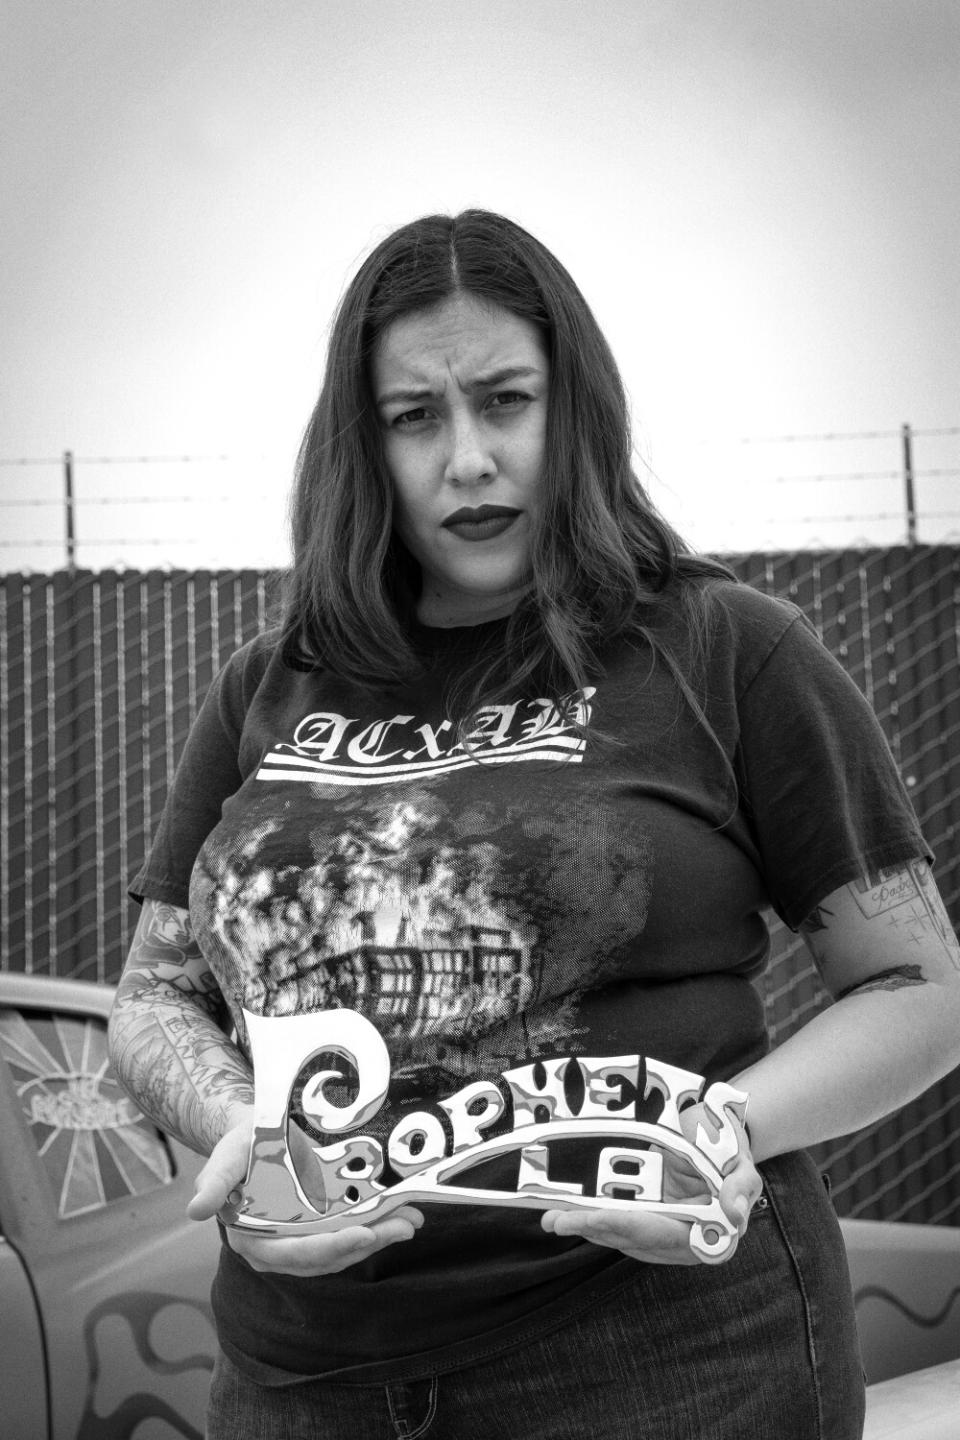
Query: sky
759	199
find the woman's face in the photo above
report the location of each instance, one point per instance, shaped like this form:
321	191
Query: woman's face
461	394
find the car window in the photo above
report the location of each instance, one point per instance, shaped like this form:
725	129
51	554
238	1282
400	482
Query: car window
95	1145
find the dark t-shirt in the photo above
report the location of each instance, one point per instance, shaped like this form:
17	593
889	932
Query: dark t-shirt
588	875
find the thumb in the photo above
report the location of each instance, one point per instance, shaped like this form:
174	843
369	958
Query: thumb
223	1172
739	1193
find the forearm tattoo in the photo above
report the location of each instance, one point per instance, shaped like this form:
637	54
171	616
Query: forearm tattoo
892	979
167	1033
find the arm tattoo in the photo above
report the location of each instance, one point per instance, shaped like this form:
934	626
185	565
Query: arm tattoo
936	911
818	919
912	903
893	979
167	1034
904	915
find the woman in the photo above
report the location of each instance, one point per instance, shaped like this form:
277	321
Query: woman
512	737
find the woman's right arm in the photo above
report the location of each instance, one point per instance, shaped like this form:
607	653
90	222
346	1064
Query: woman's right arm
170	1049
168	1037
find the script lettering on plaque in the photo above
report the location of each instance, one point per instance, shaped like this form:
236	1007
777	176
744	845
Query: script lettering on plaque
429	1153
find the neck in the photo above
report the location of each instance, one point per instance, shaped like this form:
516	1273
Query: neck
443	612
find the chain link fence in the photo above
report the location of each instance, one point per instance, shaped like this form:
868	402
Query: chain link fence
102	673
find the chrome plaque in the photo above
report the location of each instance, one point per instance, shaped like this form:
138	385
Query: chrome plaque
343	1177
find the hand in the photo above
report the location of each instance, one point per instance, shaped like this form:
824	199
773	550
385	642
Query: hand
300	1255
658	1239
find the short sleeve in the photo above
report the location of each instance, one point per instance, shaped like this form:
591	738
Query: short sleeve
820	785
207	774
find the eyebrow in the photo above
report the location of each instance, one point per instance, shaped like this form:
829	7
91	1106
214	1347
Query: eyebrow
411	394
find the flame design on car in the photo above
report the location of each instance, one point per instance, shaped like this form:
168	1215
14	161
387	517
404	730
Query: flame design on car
139	1318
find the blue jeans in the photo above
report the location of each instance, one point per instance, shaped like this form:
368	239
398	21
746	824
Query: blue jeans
762	1348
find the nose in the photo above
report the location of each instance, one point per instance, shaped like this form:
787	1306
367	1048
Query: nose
470	460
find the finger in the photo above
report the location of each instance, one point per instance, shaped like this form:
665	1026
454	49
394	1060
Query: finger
303	1254
225	1169
411	1213
324	1254
681	1181
638	1235
402	1225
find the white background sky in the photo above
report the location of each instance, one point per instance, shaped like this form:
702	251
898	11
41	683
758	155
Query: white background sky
760	199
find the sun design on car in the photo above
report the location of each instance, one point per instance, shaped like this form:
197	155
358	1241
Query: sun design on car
94	1143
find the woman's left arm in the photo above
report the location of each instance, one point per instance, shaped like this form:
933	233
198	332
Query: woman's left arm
889	957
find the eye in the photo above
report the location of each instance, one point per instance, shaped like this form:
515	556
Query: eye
508	399
409	418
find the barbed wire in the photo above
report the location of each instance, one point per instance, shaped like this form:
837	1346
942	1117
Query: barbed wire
57	500
842	475
75	503
57	543
841	435
33	460
785	439
849	519
129	459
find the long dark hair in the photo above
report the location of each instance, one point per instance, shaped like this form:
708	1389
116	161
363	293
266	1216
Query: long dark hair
602	557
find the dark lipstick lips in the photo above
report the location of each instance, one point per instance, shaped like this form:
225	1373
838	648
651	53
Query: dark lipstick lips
467	516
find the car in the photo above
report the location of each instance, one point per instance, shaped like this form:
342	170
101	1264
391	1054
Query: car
105	1319
906	1285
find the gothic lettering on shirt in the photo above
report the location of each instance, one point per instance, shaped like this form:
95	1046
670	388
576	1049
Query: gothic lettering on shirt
333	749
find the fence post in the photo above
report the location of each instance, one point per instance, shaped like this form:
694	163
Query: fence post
69	511
909	497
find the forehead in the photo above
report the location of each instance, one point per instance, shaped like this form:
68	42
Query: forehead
462	336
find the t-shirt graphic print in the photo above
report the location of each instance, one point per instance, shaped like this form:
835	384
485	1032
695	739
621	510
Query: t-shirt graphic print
333	749
424	891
